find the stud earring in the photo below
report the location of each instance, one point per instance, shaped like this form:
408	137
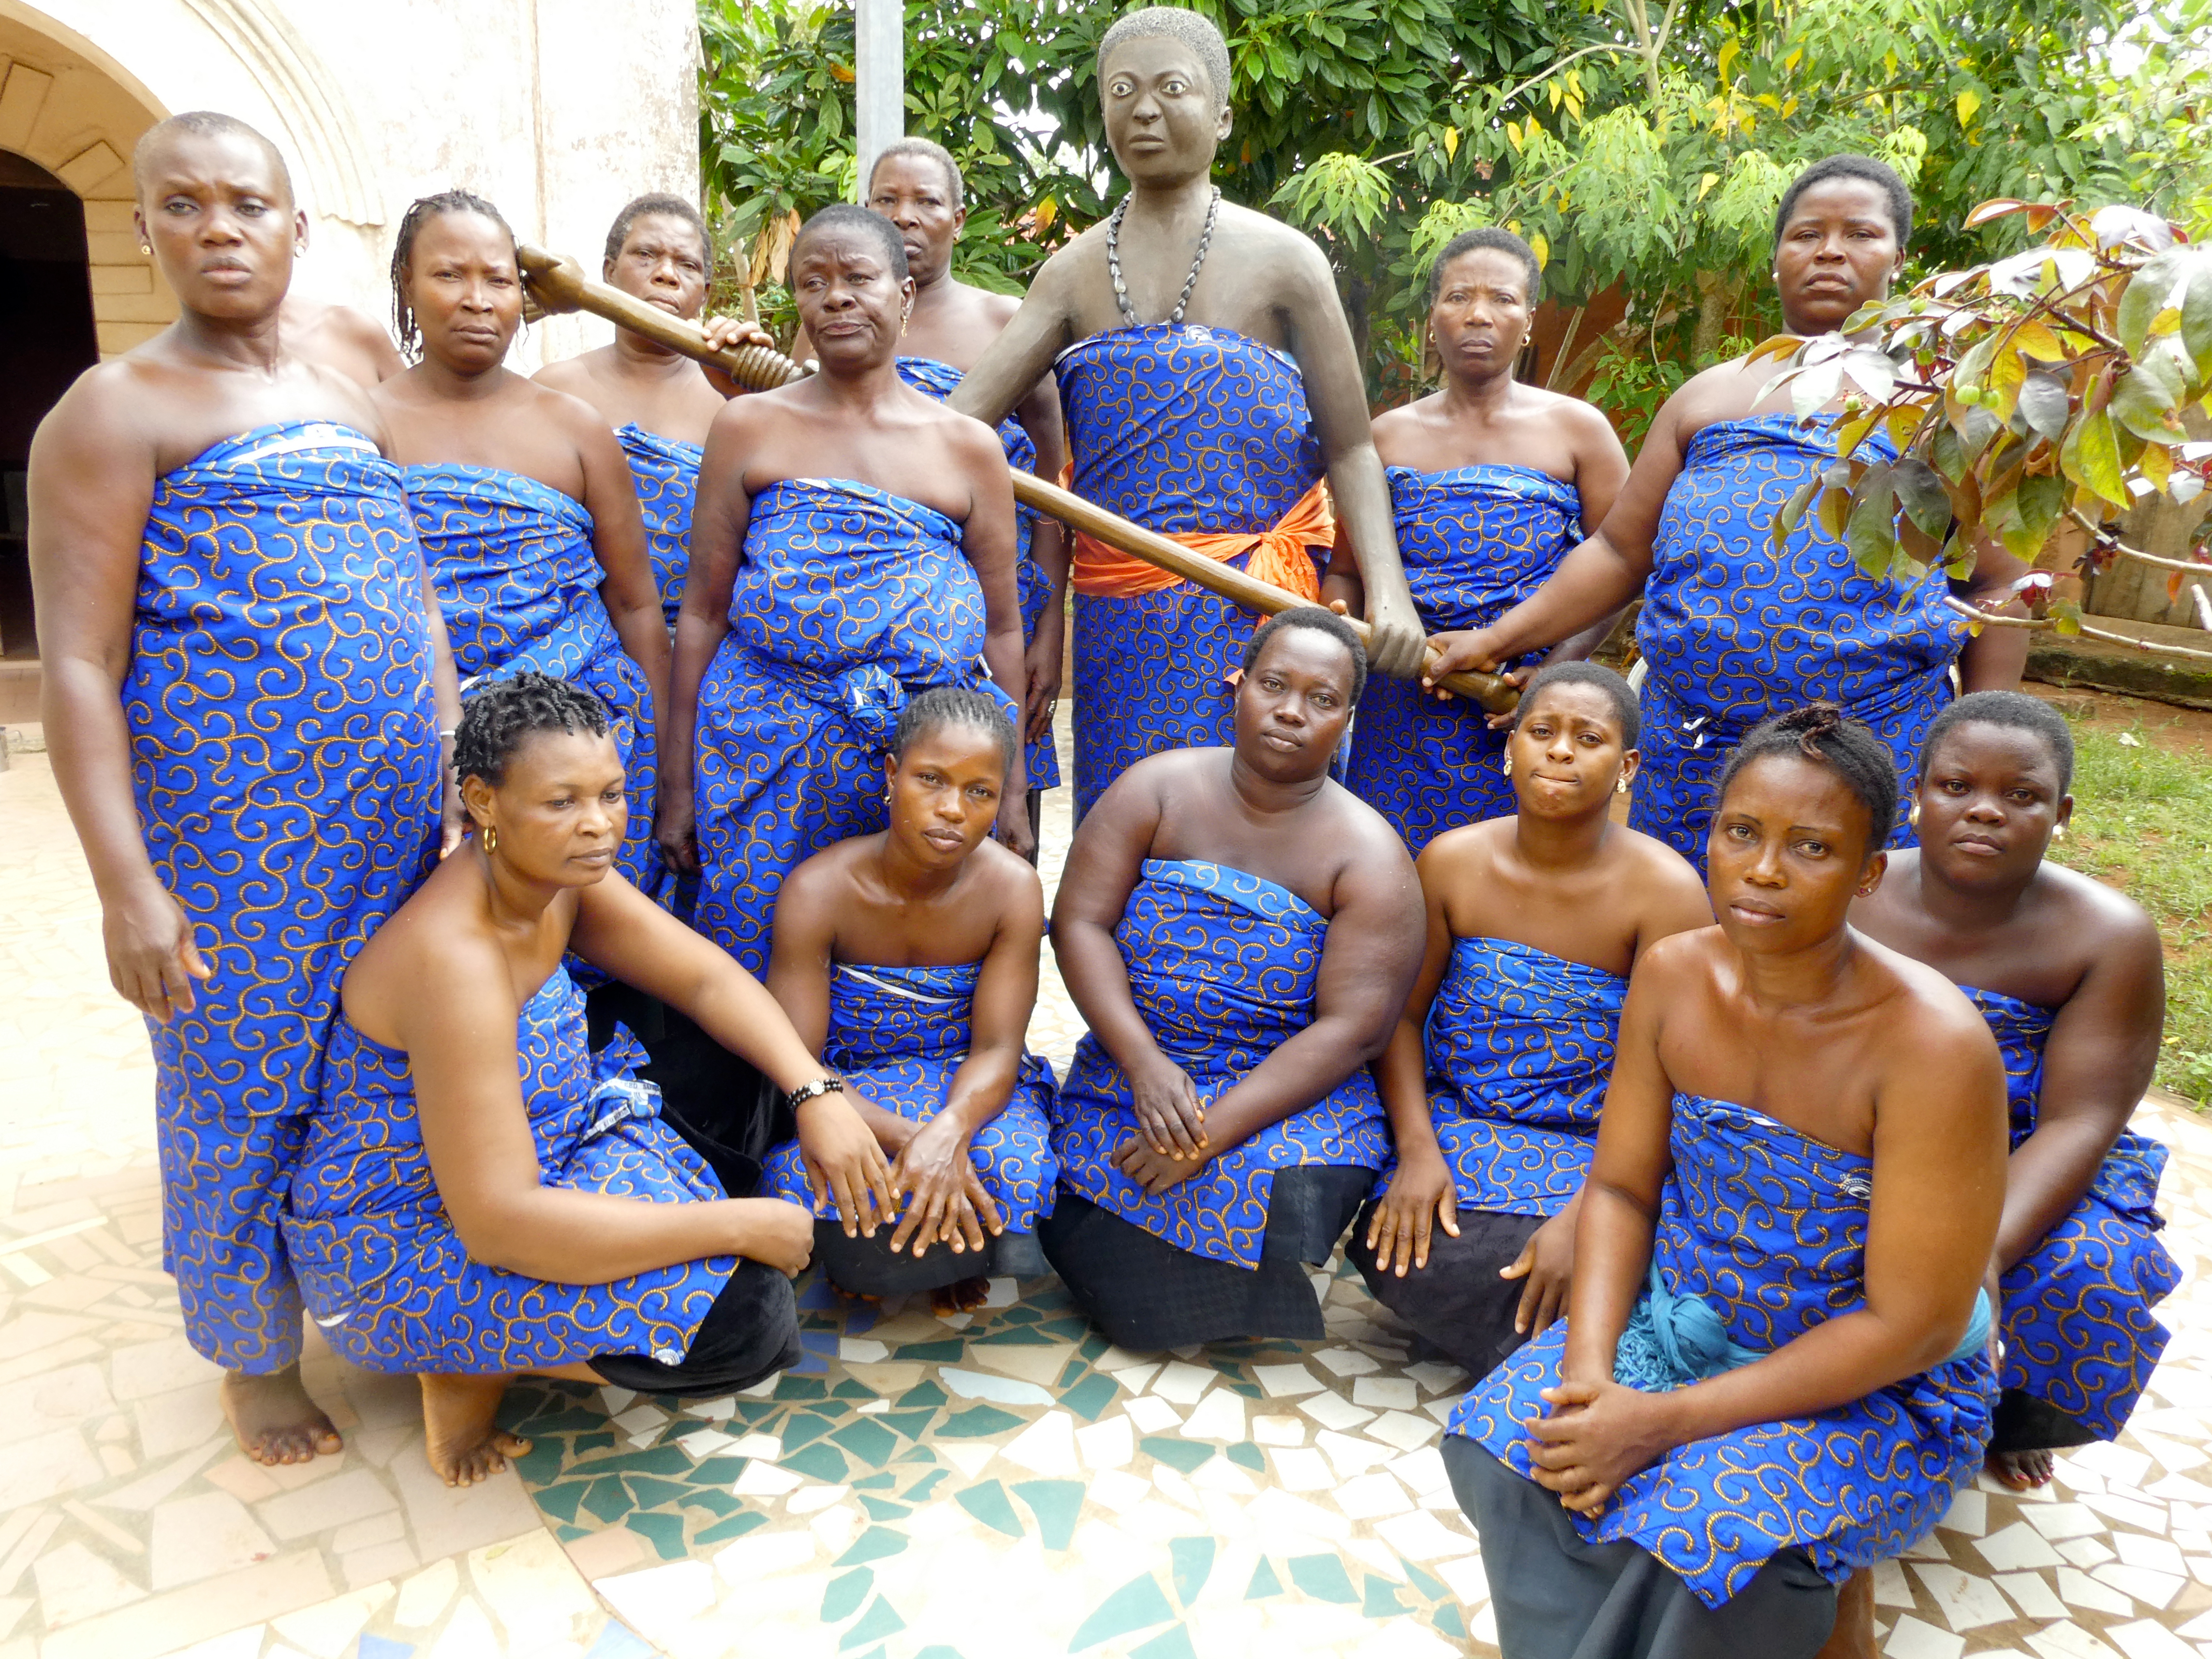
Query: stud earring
490	840
2058	832
1508	766
1620	785
146	248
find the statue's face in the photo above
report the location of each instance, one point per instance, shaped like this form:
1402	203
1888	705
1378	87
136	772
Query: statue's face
1163	119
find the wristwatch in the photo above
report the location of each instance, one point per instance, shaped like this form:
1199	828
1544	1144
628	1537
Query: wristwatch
831	1084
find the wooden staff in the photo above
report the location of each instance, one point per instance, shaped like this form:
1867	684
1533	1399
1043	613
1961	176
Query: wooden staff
558	283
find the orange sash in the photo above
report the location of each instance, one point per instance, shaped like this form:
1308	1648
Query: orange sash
1278	555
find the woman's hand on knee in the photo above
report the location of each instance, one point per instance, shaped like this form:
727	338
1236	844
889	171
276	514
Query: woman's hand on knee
1420	1197
1546	1261
845	1164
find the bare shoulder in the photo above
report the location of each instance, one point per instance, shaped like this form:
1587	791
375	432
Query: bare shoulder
568	375
1364	835
564	410
103	406
1679	963
1658	868
1461	855
2097	921
1586	421
1926	1017
1304	265
1008	881
433	950
997	309
1403	422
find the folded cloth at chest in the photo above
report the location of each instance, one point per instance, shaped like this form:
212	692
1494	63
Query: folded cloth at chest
849	600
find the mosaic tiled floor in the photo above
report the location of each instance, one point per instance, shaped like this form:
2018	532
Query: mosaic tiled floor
1002	1483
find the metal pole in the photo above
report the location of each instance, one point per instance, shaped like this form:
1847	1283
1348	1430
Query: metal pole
879	80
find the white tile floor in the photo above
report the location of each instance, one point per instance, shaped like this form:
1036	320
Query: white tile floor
1210	1504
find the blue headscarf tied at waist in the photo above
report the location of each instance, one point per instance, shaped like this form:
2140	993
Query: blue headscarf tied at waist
1671	1341
616	1096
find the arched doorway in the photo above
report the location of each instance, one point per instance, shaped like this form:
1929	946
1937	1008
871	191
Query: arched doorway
47	338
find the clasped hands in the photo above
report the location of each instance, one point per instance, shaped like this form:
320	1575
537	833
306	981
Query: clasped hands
1170	1144
1598	1434
914	1178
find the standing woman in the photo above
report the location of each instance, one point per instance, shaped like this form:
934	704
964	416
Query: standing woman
2068	976
1491	482
854	545
917	186
522	495
1733	629
659	402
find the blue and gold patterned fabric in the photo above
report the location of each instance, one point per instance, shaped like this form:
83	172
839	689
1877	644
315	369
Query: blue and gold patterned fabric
1476	541
849	600
284	760
1768	1229
1040	758
1735	631
666	473
1519	1046
898	1035
1221	969
387	1278
519	582
1177	428
2078	1333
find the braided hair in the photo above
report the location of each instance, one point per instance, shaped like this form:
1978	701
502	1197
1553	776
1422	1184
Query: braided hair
1624	711
1822	733
498	718
1320	622
944	706
419	213
2015	711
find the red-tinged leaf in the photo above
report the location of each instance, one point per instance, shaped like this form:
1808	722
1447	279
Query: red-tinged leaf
1917	544
2173	585
1835	510
1779	345
1989	212
2091	457
2040	214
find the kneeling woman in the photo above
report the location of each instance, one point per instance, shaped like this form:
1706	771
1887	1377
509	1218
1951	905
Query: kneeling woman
910	957
480	1194
1494	1079
2067	974
1774	1369
1239	932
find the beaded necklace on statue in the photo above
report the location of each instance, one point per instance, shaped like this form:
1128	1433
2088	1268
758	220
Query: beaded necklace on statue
1114	262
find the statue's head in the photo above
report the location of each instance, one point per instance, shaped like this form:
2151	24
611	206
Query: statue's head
1163	81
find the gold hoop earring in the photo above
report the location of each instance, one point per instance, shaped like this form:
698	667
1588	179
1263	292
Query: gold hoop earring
490	840
1913	812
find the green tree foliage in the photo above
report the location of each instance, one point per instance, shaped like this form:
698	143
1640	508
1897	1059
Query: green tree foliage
1640	149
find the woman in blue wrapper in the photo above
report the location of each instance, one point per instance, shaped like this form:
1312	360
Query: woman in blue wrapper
2068	975
910	957
245	683
522	495
1491	482
1733	629
1239	932
853	545
916	184
480	1194
1495	1076
658	401
1775	1367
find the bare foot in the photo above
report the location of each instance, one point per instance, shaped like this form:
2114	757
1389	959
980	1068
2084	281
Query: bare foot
2021	1470
962	1296
274	1420
1853	1635
457	1431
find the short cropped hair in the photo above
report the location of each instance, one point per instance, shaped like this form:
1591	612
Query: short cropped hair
204	124
848	215
1496	238
943	706
1822	733
658	202
928	152
497	718
2015	711
1320	622
1624	711
1193	29
1894	191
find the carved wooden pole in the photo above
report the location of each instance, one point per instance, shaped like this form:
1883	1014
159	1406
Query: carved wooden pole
558	283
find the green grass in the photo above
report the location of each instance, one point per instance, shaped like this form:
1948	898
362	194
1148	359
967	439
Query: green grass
2142	822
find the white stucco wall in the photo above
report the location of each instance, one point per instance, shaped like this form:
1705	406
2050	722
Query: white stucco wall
558	111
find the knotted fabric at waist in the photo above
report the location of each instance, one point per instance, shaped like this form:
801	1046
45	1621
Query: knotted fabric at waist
1280	554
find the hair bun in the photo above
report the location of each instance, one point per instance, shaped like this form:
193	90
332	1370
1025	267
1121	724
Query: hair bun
1811	723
